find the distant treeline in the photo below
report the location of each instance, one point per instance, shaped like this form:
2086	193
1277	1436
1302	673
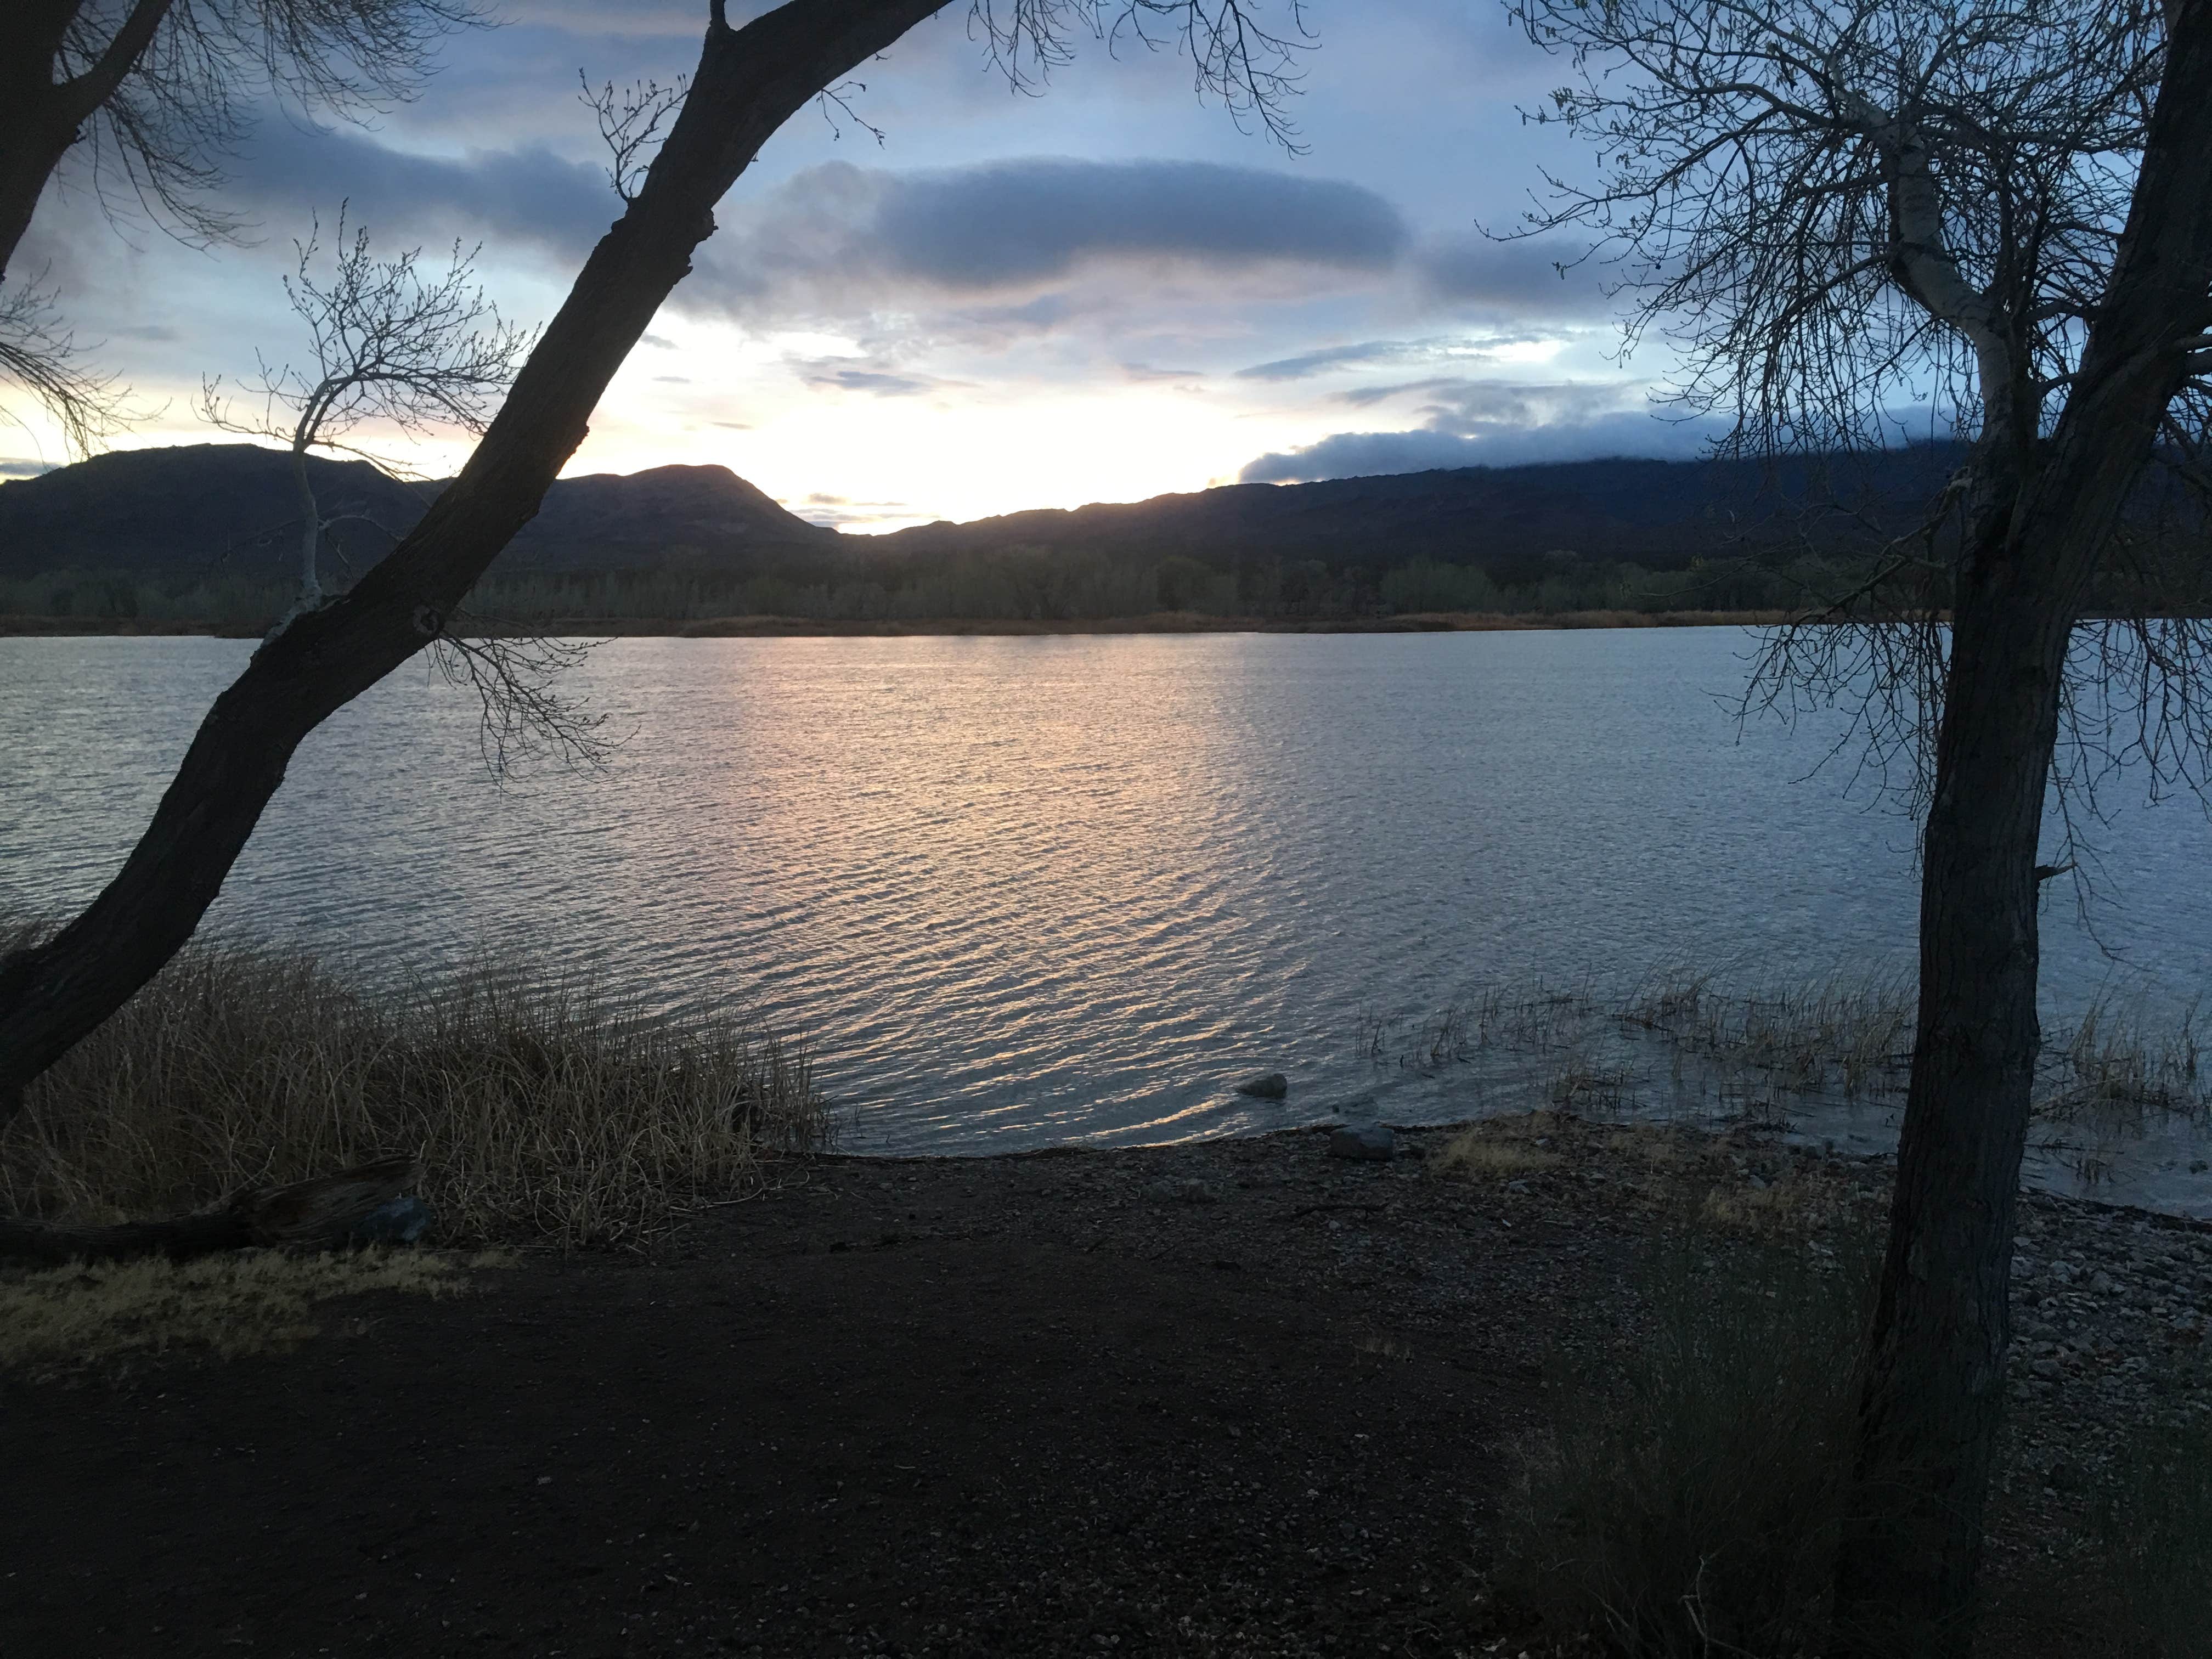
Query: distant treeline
1041	584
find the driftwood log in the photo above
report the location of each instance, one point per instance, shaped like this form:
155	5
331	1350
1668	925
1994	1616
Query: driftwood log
325	1214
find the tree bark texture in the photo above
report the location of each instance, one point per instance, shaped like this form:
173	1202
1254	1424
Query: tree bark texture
1935	1383
749	82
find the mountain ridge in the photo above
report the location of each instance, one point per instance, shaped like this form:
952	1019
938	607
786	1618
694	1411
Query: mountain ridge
190	510
196	509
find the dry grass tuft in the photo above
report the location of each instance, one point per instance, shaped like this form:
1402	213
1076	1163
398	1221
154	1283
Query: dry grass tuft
1782	1209
2113	1073
1855	1037
545	1110
1499	1146
64	1318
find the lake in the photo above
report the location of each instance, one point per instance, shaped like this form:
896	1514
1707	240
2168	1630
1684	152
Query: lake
1025	890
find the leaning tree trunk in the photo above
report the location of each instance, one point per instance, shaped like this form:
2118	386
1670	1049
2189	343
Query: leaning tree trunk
1936	1370
748	82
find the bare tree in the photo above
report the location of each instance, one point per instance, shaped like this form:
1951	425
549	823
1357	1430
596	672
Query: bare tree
2001	211
407	356
389	348
748	82
140	100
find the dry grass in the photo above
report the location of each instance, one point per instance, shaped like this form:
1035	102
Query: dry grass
1793	1207
1499	1146
1741	1184
1758	1055
2114	1073
543	1110
1690	1504
1837	1034
65	1318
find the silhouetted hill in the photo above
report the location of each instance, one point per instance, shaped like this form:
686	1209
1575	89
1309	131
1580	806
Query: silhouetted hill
227	509
1659	514
205	508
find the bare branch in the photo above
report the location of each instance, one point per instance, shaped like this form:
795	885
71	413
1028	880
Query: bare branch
39	355
632	122
1251	65
523	715
1829	209
165	89
390	348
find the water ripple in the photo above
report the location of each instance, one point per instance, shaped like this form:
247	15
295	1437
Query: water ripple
1025	890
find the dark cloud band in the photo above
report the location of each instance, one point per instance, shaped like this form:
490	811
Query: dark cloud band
1367	454
838	238
531	198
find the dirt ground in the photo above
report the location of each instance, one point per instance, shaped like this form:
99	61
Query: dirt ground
1231	1398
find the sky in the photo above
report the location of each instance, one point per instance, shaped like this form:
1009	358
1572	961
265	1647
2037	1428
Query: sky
1102	293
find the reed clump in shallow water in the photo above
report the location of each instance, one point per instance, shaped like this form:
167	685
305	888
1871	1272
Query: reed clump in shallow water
1756	1052
543	1108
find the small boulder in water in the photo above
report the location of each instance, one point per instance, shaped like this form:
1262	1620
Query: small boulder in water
1267	1085
1369	1142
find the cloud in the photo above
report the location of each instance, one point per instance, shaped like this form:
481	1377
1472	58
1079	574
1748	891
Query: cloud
1317	362
1491	423
833	513
18	468
1015	222
1471	408
504	198
1461	350
846	374
838	235
1516	279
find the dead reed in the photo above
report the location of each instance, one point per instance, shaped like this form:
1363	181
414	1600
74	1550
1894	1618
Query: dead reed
544	1110
1755	1051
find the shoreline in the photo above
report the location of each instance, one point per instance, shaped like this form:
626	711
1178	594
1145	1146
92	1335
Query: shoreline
750	626
1222	1398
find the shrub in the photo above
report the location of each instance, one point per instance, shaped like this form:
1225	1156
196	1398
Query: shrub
543	1108
1692	1504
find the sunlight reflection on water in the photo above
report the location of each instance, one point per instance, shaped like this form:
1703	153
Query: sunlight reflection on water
1021	891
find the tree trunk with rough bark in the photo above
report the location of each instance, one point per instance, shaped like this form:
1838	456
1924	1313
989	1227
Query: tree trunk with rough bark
748	82
1937	1369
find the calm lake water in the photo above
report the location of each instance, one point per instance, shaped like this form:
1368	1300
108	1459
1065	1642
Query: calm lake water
1025	890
